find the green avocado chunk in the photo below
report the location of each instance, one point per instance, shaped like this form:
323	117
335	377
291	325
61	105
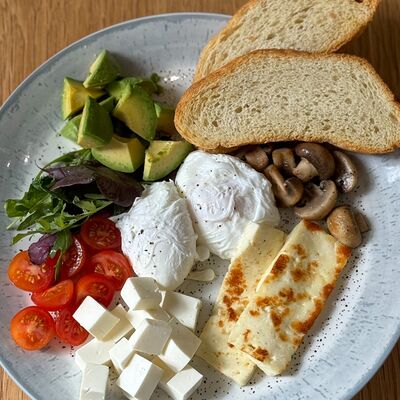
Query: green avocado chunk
71	128
96	128
74	95
162	157
121	154
117	88
165	120
150	85
136	109
103	71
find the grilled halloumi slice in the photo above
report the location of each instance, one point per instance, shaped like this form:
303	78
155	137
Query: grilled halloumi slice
290	297
259	246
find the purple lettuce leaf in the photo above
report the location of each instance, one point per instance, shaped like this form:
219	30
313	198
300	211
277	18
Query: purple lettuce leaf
71	175
40	250
122	189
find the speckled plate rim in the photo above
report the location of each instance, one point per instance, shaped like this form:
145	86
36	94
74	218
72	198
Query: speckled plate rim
351	392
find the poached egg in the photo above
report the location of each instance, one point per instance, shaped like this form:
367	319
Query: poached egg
224	194
158	236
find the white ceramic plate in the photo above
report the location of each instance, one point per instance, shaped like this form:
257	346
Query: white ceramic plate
361	322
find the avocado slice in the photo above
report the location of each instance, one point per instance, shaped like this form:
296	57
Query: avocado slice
165	120
103	71
121	154
108	104
74	96
150	85
96	127
162	157
117	88
70	130
136	109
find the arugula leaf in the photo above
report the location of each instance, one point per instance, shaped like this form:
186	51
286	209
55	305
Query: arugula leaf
62	244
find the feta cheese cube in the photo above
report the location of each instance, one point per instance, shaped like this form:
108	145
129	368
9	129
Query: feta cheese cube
123	327
97	320
151	336
182	385
139	379
135	317
167	372
184	308
97	351
141	293
94	382
121	353
180	348
179	386
93	352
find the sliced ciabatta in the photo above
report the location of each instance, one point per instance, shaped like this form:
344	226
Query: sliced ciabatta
281	95
307	25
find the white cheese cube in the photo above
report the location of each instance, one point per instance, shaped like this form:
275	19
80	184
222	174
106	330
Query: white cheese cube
167	372
121	353
93	352
135	317
97	351
179	386
123	327
139	379
151	336
97	320
141	293
180	348
182	385
184	308
94	382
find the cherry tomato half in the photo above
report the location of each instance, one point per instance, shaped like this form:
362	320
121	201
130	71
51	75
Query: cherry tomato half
32	328
100	233
69	330
112	265
56	297
97	286
28	276
74	259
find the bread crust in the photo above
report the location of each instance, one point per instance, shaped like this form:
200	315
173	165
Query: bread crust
203	62
213	78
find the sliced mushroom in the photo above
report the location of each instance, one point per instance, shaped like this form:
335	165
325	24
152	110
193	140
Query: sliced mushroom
257	158
289	191
284	160
343	226
305	171
346	173
362	222
318	156
242	151
267	148
318	202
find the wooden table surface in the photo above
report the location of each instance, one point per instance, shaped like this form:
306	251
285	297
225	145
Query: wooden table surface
33	30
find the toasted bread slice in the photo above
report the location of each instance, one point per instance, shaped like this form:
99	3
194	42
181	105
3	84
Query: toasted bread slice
319	26
284	95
